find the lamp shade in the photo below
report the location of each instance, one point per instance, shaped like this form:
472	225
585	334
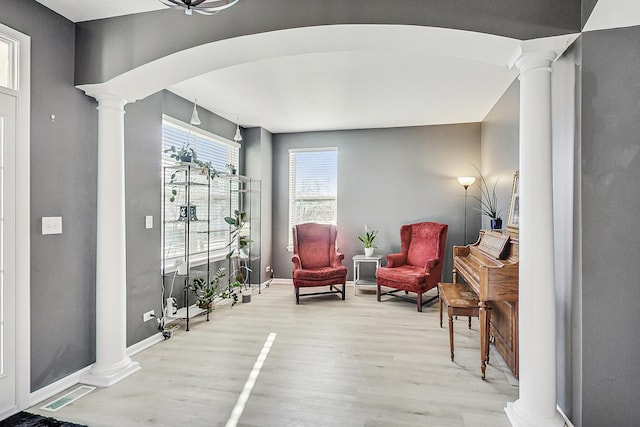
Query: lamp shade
238	136
466	181
195	120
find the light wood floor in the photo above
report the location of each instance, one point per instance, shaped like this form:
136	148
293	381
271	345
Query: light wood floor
334	363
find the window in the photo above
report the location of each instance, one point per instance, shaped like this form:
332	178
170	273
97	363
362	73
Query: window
219	152
8	62
313	187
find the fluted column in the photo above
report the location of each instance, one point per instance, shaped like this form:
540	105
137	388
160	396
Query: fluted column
112	363
537	405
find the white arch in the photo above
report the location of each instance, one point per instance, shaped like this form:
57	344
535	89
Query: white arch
442	43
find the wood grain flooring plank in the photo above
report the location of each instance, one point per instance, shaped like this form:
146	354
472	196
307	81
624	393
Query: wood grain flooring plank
356	362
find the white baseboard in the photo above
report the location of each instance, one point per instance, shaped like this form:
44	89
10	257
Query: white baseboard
567	422
282	282
59	386
144	344
70	380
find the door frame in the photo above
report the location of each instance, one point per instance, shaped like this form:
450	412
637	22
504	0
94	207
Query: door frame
22	182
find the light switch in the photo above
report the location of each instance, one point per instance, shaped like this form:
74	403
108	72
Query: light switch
148	221
51	225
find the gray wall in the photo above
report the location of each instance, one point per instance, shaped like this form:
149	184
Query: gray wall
386	178
258	163
63	183
109	47
500	150
143	153
611	237
587	8
143	133
565	111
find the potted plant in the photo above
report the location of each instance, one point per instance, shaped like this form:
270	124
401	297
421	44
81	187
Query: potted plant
206	291
369	235
239	247
184	154
231	168
489	202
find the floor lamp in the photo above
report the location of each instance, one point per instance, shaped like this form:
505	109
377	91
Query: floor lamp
466	181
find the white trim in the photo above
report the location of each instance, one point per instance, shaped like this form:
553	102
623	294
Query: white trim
303	150
74	378
14	59
57	387
201	131
144	344
282	282
174	262
23	216
567	422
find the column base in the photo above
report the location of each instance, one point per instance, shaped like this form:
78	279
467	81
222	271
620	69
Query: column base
107	377
521	418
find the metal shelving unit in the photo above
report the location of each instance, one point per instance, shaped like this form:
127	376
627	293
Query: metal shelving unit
194	233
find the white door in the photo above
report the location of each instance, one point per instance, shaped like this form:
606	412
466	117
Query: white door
8	398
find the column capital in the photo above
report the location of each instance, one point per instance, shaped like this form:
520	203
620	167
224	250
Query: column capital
540	53
106	96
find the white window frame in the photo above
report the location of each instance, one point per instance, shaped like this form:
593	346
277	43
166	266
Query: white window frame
21	89
13	61
292	195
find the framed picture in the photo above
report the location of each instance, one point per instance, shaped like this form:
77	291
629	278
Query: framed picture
513	220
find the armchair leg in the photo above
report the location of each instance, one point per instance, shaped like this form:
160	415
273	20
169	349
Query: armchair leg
344	288
378	293
419	302
297	296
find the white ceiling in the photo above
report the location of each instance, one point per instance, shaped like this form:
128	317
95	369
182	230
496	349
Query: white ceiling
87	10
351	81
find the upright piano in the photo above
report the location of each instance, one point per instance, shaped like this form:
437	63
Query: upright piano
490	267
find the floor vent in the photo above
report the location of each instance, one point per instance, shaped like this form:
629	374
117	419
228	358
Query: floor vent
63	401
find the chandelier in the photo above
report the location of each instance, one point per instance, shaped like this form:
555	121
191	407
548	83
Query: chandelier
203	7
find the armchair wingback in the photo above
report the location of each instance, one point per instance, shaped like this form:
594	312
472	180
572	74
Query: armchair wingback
316	262
418	268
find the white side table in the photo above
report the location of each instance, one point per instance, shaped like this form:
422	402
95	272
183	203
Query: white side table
359	281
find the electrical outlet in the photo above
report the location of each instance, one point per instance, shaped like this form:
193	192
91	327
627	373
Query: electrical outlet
148	316
268	269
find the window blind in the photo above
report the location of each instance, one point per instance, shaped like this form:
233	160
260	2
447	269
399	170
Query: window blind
313	187
219	152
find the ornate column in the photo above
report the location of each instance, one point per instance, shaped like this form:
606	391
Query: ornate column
112	363
537	405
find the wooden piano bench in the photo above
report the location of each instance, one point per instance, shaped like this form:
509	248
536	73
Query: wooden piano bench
460	300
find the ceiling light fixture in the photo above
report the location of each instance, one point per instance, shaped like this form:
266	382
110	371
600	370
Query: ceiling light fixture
195	120
238	136
202	7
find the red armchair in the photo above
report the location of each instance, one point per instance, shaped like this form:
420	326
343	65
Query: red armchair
418	267
316	262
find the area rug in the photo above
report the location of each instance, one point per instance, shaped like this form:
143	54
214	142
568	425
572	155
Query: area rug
25	419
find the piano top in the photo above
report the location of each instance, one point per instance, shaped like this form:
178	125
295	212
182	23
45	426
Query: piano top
490	266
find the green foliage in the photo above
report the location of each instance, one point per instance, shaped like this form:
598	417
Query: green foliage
182	154
369	235
206	292
188	154
488	200
238	243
